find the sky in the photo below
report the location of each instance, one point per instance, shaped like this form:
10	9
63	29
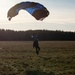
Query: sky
62	16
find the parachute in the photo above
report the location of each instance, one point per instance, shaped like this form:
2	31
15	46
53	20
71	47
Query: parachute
37	10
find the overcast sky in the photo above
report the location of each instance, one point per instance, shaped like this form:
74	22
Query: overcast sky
62	16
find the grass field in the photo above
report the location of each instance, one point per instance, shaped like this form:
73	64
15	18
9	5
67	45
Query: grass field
55	58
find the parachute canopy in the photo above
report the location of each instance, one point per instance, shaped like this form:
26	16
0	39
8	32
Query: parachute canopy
37	10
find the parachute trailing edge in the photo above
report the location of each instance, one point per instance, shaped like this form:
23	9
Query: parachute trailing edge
37	10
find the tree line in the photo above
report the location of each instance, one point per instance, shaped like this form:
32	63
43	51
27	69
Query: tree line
43	35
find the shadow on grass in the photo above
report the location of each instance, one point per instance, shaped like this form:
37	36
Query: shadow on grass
38	73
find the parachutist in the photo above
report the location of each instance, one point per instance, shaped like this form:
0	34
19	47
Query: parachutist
36	45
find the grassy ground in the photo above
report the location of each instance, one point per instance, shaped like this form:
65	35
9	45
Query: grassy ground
55	58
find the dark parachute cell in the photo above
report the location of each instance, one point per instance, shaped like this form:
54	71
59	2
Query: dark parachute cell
37	10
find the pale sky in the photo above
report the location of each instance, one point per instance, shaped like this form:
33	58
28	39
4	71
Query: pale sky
62	16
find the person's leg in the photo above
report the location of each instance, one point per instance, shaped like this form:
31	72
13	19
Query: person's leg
37	51
38	48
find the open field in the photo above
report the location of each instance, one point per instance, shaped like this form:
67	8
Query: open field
55	58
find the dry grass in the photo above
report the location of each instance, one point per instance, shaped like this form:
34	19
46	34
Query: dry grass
55	58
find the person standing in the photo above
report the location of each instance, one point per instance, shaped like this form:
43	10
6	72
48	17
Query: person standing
36	45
